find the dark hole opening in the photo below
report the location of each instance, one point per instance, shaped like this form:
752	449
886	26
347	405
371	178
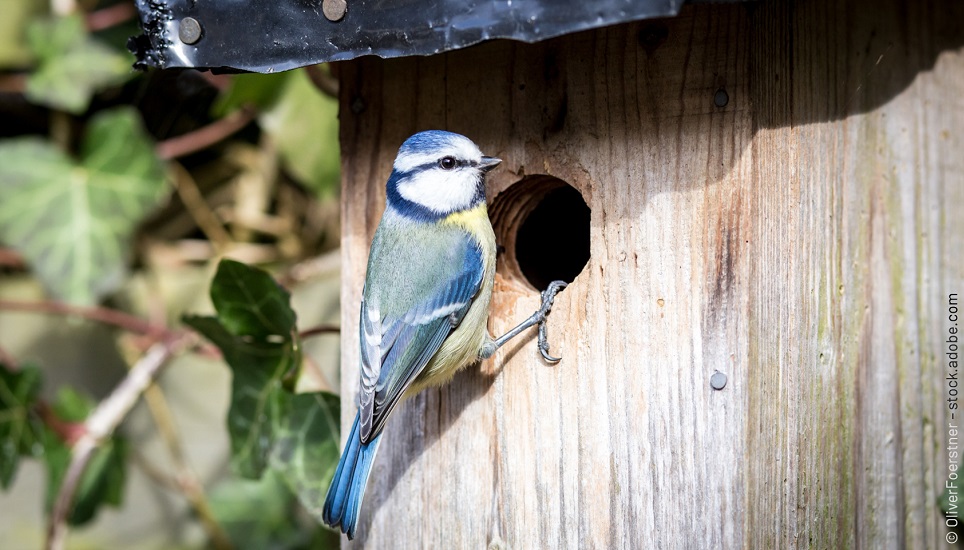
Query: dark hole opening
553	241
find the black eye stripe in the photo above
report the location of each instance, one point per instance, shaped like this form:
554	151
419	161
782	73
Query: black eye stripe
435	164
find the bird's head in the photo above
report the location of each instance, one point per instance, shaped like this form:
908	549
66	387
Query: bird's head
437	173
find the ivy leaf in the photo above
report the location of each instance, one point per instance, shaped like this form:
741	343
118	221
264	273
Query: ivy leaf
73	221
14	52
72	64
253	330
104	479
258	90
258	514
102	483
257	397
20	429
250	303
271	428
306	447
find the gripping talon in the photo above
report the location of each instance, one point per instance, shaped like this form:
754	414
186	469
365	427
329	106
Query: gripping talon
548	296
544	344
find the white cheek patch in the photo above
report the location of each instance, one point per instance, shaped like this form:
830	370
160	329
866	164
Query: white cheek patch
441	191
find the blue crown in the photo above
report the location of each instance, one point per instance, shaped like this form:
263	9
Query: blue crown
429	140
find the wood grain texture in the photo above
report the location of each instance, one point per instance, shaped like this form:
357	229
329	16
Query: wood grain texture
802	239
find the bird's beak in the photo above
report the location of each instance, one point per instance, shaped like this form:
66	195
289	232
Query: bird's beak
489	163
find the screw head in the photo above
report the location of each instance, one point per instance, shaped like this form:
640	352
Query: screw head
334	10
718	381
721	98
189	31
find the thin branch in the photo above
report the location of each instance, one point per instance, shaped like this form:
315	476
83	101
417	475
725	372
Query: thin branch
320	329
101	424
184	487
254	186
81	454
202	250
110	16
153	472
205	218
326	264
60	129
103	315
186	481
314	370
205	136
323	80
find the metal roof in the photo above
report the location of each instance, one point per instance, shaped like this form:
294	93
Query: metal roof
277	35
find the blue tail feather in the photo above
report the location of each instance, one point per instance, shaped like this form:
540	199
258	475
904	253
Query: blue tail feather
347	490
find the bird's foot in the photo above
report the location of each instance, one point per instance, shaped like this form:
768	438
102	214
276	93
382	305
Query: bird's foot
548	295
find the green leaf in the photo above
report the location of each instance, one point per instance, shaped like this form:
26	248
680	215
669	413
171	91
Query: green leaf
102	482
254	332
20	429
271	428
71	405
17	14
74	221
257	396
257	514
306	447
73	65
304	124
250	303
257	90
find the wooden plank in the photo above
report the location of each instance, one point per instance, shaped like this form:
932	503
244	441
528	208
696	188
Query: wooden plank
801	239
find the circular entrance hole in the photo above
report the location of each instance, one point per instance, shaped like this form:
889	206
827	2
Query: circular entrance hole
542	223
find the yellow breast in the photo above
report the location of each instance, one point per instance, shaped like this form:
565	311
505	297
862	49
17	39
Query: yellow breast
462	347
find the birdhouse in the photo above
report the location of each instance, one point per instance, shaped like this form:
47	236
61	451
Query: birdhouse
759	208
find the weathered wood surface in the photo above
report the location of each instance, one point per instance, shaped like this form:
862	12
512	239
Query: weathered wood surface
802	239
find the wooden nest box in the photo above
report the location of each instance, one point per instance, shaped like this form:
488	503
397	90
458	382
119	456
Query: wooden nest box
761	208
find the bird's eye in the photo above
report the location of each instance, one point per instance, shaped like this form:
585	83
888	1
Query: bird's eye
447	163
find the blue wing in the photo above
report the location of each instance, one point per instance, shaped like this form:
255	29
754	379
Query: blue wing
396	345
395	349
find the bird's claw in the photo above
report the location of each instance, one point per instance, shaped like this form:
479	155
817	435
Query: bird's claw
548	295
544	345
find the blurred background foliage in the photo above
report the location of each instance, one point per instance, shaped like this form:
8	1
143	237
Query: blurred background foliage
120	195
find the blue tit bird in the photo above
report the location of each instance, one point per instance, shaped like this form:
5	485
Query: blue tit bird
425	304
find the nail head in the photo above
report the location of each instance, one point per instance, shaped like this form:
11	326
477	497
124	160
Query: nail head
718	381
189	31
721	98
334	10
